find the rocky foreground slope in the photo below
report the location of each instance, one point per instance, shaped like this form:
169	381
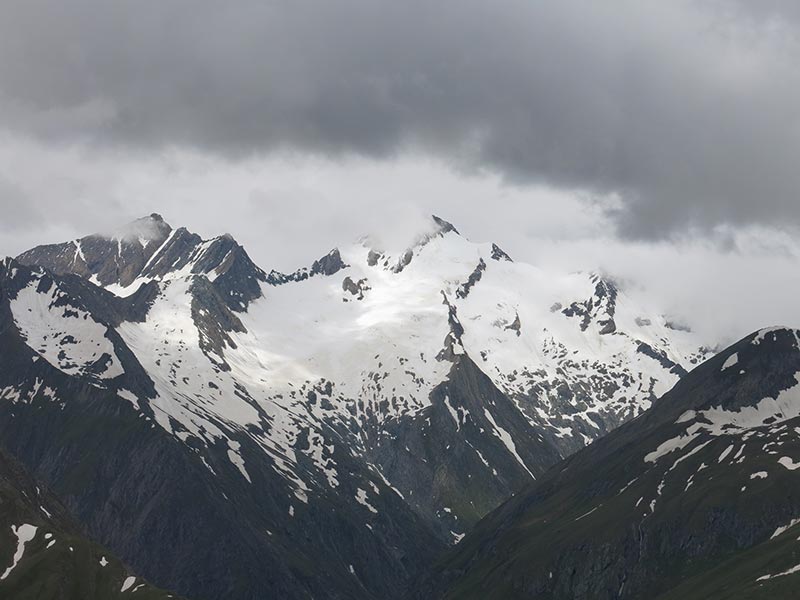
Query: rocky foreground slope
45	556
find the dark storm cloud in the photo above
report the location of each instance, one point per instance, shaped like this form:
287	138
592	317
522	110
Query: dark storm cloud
23	214
763	9
690	111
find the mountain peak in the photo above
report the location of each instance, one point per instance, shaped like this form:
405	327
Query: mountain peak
151	228
766	364
149	249
115	258
499	254
440	229
444	226
328	264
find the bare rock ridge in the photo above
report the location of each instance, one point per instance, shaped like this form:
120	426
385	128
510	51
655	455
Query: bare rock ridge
148	249
115	259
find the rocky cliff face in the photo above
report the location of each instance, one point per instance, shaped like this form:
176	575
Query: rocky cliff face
232	433
697	498
45	556
116	259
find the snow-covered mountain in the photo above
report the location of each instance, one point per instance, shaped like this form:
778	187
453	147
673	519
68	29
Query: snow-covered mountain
698	499
360	413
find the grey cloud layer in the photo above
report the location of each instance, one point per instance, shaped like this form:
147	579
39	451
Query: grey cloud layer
690	111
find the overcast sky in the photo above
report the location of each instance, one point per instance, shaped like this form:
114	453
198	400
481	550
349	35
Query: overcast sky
659	141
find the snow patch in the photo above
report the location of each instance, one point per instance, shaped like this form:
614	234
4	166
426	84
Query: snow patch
235	456
126	585
730	361
783	528
788	463
64	335
24	533
507	440
794	569
361	498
